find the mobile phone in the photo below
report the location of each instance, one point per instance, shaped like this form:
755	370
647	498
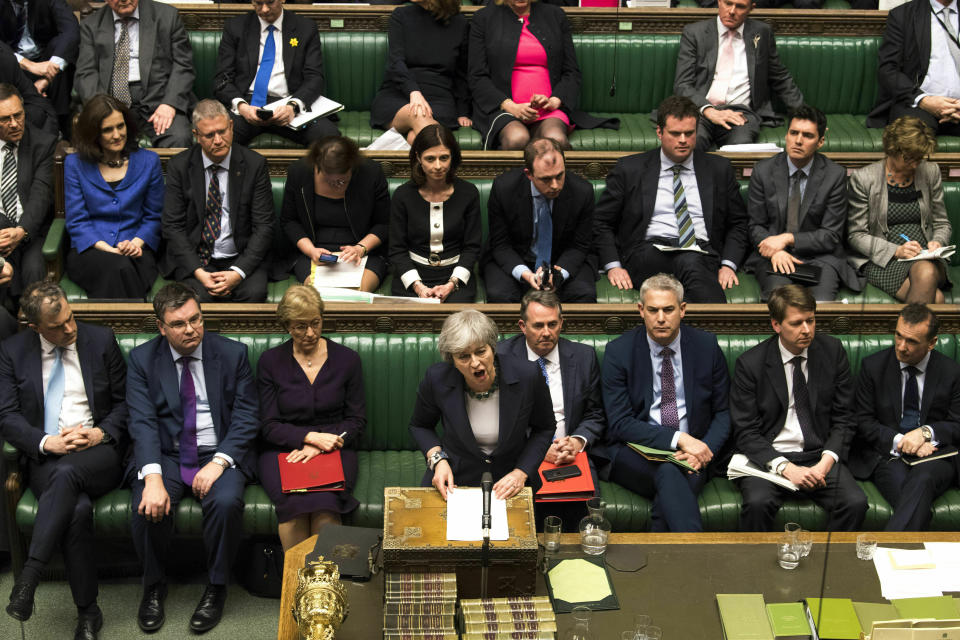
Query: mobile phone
561	473
264	114
328	257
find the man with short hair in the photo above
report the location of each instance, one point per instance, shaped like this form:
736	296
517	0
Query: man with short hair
791	405
265	55
62	405
798	212
218	213
541	229
665	386
138	51
730	69
193	420
673	210
908	402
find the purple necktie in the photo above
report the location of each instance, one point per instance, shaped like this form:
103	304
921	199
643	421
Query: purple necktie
668	392
189	460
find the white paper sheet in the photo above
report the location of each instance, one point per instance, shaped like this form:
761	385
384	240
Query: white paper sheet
668	248
913	559
906	583
322	106
752	147
338	274
946	555
465	515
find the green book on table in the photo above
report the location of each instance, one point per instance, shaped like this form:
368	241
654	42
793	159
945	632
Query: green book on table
660	455
744	616
788	620
870	612
936	607
837	620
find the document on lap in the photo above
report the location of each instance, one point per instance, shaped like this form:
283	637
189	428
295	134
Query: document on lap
668	248
465	512
321	107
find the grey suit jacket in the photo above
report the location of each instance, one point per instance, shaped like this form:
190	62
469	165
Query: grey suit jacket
166	59
823	213
697	61
867	212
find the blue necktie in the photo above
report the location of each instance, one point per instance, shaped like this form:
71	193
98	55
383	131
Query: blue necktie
543	368
265	70
910	418
53	398
544	245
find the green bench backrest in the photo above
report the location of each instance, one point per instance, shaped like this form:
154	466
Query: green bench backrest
951	199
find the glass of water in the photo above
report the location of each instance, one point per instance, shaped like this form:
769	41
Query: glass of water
866	546
640	623
805	541
788	552
552	526
654	633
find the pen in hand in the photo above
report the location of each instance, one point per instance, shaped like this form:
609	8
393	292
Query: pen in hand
905	238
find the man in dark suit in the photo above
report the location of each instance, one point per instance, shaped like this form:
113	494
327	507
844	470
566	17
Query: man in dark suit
40	112
665	386
791	405
8	324
218	213
673	210
798	210
908	402
44	36
919	66
541	229
266	55
26	193
138	51
62	406
193	420
730	69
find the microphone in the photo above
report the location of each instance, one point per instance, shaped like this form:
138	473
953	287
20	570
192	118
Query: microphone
613	81
486	485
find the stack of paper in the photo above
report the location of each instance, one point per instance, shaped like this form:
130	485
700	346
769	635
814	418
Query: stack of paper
904	583
465	515
946	557
740	466
753	147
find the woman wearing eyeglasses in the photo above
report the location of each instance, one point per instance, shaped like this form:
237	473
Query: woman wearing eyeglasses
311	403
336	201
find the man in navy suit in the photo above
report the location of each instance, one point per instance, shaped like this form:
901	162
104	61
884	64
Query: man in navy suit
908	402
665	386
193	420
62	405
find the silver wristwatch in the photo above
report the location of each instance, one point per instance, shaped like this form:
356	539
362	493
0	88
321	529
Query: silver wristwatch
437	457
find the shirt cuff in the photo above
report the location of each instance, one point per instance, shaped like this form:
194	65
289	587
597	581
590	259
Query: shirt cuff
773	464
462	274
727	263
221	454
240	271
564	273
835	457
583	440
299	103
518	272
60	62
19	57
409	278
612	265
235	103
916	101
896	442
674	439
148	469
43	440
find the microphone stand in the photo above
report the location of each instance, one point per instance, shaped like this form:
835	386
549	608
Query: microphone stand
486	484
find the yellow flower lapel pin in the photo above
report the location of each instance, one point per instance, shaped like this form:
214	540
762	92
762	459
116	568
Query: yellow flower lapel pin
294	42
756	40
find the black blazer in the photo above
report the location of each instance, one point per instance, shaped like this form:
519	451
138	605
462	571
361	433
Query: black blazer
510	216
21	386
526	425
251	210
880	405
35	182
39	110
239	57
758	398
626	206
52	26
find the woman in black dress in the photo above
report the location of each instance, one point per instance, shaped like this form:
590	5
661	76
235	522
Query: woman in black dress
425	80
336	201
435	223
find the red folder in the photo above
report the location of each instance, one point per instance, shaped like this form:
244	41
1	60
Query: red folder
570	489
321	473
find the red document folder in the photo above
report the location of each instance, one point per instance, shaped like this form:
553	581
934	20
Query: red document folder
321	473
570	489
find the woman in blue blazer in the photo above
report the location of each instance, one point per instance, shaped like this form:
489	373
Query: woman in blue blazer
114	200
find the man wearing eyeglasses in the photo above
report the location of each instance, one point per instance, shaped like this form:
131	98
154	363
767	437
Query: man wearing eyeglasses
218	213
193	420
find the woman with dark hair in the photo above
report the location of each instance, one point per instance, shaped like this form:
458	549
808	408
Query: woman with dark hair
113	193
426	77
336	201
435	223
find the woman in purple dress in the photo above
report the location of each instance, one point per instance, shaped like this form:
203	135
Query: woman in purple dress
311	392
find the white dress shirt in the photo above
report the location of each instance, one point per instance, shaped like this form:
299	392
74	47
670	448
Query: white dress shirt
663	224
75	408
484	417
555	383
224	246
133	31
738	89
943	77
15	216
921	378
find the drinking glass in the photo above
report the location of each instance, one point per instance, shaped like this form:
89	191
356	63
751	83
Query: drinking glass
552	525
788	552
640	623
866	546
654	633
805	541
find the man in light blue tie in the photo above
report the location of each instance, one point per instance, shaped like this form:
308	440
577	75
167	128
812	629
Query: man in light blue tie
62	405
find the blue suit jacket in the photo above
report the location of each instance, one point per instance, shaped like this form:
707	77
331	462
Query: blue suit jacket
526	422
96	211
153	396
628	390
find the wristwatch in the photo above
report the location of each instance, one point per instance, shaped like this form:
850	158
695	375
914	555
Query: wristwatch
781	467
455	281
223	462
437	457
927	433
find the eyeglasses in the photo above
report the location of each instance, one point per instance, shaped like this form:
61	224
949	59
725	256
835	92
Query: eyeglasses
179	325
300	328
13	117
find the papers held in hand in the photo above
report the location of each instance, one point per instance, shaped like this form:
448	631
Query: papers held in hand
321	107
340	274
942	253
940	453
320	473
660	455
740	467
669	248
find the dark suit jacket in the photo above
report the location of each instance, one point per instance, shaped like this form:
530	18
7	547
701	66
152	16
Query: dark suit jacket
628	390
39	110
239	56
823	213
35	182
21	386
52	26
880	405
166	59
153	395
526	422
758	398
510	214
626	206
251	210
697	61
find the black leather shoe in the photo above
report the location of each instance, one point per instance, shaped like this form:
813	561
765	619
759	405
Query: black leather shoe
210	609
21	601
88	624
150	616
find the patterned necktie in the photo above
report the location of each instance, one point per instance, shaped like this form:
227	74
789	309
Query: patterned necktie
20	11
669	417
801	405
910	418
8	183
265	70
189	458
544	244
120	83
724	70
543	369
793	204
211	219
685	232
53	398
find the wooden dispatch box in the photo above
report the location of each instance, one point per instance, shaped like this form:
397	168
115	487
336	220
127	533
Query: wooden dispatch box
415	540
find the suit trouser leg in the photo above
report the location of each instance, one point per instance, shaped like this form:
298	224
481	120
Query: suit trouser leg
152	539
696	271
581	287
253	288
912	490
842	498
673	492
711	136
948	128
223	524
824	291
501	286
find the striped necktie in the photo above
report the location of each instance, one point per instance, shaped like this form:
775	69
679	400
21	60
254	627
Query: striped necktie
211	219
684	223
8	183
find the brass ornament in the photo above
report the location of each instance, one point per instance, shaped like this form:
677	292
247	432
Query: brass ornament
320	604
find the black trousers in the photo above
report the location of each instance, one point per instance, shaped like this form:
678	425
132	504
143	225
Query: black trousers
178	134
65	487
503	287
824	291
110	275
712	136
912	490
695	271
244	132
28	265
253	288
222	522
943	129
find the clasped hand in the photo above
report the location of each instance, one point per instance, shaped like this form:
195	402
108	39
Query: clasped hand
218	283
914	444
809	478
73	439
693	451
563	450
130	248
